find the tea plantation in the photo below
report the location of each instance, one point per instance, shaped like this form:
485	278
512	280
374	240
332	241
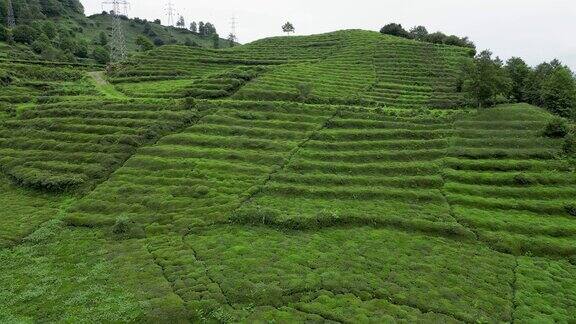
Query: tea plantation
325	178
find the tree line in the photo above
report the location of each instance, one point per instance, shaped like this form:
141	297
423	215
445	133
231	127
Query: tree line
202	29
488	81
420	33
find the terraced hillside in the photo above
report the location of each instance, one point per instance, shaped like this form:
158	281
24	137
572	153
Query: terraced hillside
342	67
199	185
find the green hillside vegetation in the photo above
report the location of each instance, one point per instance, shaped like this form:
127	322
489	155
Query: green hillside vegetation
58	30
343	177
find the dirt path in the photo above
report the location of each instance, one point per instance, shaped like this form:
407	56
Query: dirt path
104	86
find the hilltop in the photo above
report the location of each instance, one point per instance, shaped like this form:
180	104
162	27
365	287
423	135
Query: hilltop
339	177
356	67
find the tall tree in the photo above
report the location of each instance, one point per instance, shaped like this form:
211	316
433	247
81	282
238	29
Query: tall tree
485	79
193	27
419	33
533	84
559	92
201	29
288	28
209	29
518	72
232	40
181	22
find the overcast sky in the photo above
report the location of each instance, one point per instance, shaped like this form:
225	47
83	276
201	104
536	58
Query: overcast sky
536	30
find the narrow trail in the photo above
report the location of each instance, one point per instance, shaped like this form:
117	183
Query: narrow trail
105	87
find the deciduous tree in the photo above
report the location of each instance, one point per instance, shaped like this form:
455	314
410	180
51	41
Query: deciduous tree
485	80
288	28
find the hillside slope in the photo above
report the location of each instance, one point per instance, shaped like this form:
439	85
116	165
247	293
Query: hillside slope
58	30
343	67
202	186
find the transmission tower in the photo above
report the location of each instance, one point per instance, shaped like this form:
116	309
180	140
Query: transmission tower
118	42
170	11
233	37
10	21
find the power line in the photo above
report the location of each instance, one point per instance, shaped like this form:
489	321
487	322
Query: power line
118	42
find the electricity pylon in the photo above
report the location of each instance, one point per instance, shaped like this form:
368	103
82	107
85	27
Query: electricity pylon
10	21
118	51
170	11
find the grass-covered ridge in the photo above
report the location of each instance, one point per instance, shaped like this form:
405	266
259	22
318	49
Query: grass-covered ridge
357	67
324	178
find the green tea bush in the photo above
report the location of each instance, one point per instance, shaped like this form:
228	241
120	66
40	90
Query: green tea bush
46	232
255	216
556	128
122	225
6	78
523	180
189	103
125	228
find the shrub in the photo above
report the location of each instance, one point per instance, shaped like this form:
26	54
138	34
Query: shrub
523	180
556	128
570	209
3	34
395	30
189	103
569	146
45	233
101	55
304	90
144	43
255	216
158	41
125	228
5	78
24	34
122	225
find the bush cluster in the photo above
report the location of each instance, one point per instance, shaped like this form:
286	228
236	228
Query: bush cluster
420	33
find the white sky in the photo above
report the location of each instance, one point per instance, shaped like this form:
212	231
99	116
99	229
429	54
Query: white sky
536	30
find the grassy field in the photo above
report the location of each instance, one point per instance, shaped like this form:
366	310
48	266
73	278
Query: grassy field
196	185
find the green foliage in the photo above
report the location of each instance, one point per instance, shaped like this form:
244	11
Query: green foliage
126	228
144	43
420	33
518	72
571	209
484	80
304	90
556	128
101	55
102	39
551	85
365	204
395	30
215	40
559	92
569	146
6	78
288	28
190	103
24	34
3	34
